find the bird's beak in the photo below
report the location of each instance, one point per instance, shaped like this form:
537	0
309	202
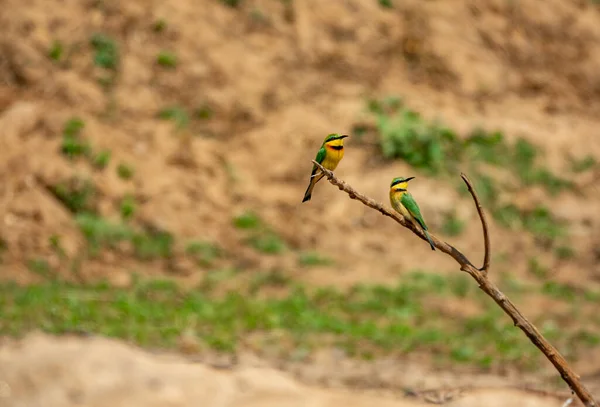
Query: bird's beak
344	136
408	179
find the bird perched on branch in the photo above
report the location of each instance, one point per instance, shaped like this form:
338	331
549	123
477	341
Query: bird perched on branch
403	202
329	156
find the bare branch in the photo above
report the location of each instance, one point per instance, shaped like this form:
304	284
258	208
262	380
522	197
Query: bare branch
519	320
486	234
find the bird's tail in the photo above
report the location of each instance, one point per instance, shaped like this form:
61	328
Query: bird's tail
313	181
429	238
308	193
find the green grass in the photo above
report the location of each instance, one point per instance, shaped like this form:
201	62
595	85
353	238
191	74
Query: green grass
177	114
565	252
247	220
366	321
311	259
76	194
204	112
40	267
542	224
73	144
452	226
583	164
101	159
102	233
267	242
536	268
166	59
205	253
125	171
436	150
106	51
159	25
127	207
259	235
56	51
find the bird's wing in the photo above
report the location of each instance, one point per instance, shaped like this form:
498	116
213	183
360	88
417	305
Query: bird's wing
411	205
320	158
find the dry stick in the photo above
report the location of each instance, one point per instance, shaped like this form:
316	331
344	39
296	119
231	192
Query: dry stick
485	284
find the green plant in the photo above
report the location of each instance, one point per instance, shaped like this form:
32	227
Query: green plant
386	3
56	50
272	278
583	164
428	147
310	259
508	216
124	171
452	226
205	253
537	268
551	182
41	267
159	25
102	159
76	194
525	154
366	321
149	245
433	148
127	207
57	247
103	233
72	144
106	51
176	114
542	224
247	220
559	291
100	232
3	247
231	3
564	252
166	59
267	242
203	112
489	147
486	189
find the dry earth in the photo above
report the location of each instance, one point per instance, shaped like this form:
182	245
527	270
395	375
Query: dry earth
46	371
277	76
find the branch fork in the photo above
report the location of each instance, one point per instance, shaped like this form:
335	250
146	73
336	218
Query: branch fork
481	276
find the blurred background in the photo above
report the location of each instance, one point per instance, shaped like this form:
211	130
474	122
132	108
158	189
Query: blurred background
155	154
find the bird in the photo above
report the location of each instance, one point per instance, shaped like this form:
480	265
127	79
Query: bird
329	156
403	202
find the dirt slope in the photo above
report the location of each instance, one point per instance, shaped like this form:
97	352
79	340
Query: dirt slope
277	79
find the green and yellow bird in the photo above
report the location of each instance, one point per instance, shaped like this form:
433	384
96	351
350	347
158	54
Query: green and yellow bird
329	156
403	202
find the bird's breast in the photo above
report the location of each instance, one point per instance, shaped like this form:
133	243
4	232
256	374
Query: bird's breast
333	158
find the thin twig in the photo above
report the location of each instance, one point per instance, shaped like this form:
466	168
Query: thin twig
519	320
486	234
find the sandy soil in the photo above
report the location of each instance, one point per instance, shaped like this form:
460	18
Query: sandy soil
278	78
46	371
